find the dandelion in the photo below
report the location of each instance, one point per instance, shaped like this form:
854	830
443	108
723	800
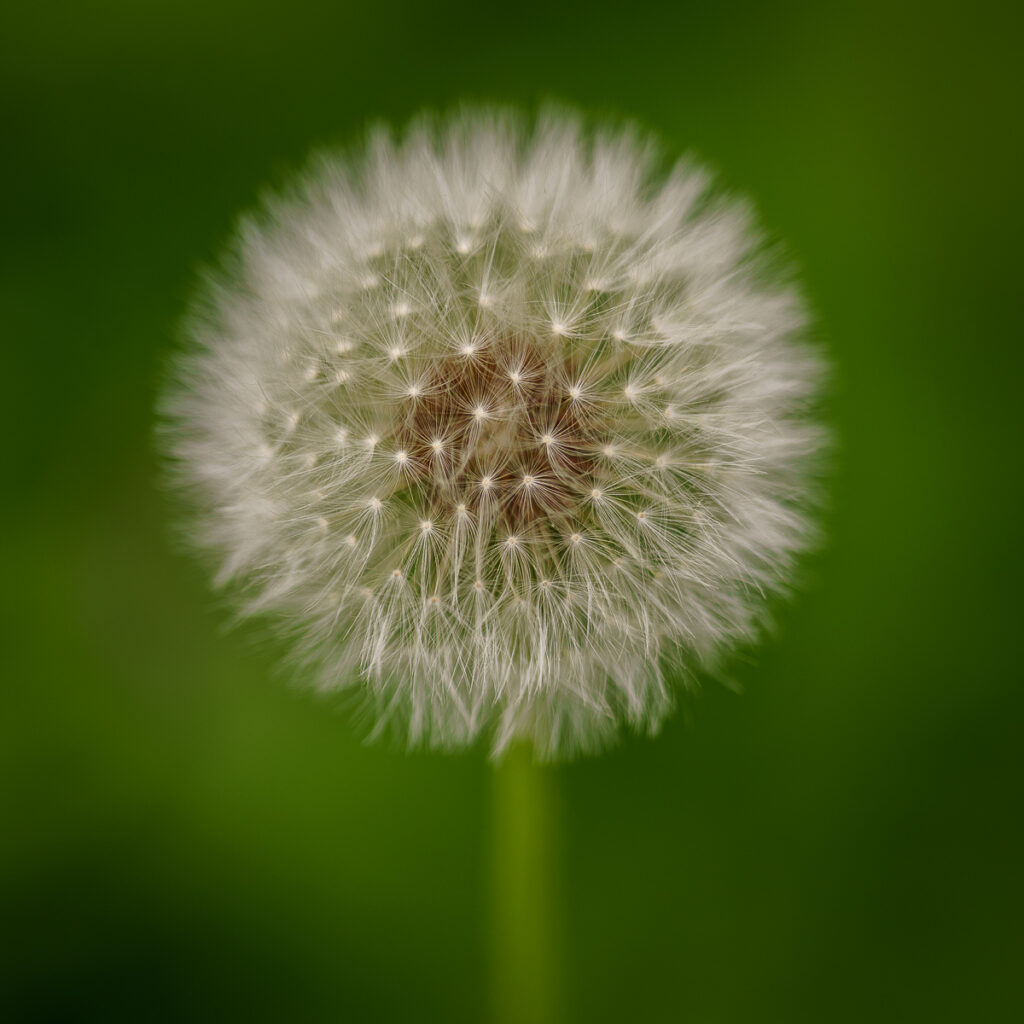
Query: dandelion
502	427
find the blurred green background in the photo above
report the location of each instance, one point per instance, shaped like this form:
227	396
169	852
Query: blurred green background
186	838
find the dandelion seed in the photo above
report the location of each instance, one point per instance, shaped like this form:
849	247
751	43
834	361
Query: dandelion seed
484	478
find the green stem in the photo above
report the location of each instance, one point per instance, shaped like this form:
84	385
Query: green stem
525	961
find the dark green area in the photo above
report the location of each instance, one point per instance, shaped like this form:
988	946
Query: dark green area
185	837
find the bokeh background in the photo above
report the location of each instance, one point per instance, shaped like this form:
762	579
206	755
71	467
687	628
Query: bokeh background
185	837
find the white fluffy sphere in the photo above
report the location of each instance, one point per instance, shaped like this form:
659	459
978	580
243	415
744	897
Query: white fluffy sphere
501	426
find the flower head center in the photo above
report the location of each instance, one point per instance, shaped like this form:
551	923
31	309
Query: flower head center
490	410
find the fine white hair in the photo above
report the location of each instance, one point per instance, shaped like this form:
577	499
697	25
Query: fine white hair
502	425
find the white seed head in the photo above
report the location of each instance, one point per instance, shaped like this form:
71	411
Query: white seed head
527	534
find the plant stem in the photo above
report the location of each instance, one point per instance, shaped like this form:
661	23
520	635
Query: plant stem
524	939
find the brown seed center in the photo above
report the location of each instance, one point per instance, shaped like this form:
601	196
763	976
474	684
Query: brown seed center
501	428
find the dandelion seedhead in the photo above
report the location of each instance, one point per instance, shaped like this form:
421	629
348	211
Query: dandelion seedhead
501	426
